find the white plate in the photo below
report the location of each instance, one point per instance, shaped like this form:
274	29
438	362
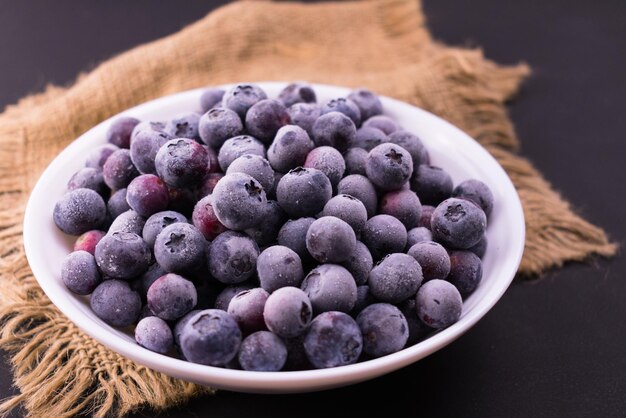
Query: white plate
449	148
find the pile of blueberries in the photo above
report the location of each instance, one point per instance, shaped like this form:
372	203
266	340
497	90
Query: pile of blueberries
272	234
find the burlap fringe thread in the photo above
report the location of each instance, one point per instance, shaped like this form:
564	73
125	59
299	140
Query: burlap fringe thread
61	372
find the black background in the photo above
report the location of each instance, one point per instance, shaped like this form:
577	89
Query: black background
551	347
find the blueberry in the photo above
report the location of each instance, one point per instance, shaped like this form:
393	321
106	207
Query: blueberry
432	184
262	352
293	235
205	219
458	223
147	195
439	304
334	339
117	203
297	93
345	106
210	98
360	263
382	122
355	160
144	148
389	166
267	231
265	118
425	217
219	124
466	271
154	334
79	272
279	266
184	126
416	235
145	281
156	126
210	337
287	312
172	296
235	147
119	131
480	248
180	324
232	257
98	156
349	209
396	278
303	192
88	241
433	259
289	148
246	307
157	223
304	115
368	103
180	248
228	293
411	143
334	129
79	211
181	162
476	191
417	329
403	205
239	201
122	255
384	328
208	184
88	178
369	138
361	188
144	313
242	97
119	170
330	287
384	234
129	221
363	299
255	166
116	303
330	240
329	161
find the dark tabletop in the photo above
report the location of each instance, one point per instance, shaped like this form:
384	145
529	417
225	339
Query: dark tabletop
551	347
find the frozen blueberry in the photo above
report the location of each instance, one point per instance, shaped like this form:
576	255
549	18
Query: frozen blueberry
144	148
458	223
235	147
116	303
119	131
432	184
368	138
368	103
122	255
232	257
219	124
79	211
205	220
79	272
466	271
239	201
246	307
389	166
330	287
334	339
384	234
228	293
416	235
129	221
289	148
297	93
411	143
262	352
360	263
329	161
279	266
355	159
304	115
288	312
119	170
267	231
480	248
384	328
433	259
396	278
255	166
403	205
208	184
180	324
425	217
147	194
349	209
171	296
361	188
439	304
180	248
184	126
145	280
417	329
98	156
210	337
363	299
293	235
265	118
242	97
303	192
382	122
210	98
330	240
88	241
334	129
117	203
154	334
157	223
88	178
181	162
476	191
345	106
156	126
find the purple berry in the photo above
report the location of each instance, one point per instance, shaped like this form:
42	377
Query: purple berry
293	235
439	304
145	281
246	308
129	221
147	195
239	201
256	166
119	170
466	271
425	217
267	231
304	115
157	223
88	178
297	93
384	328
355	159
389	166
396	278
88	241
458	223
303	192
432	184
417	235
384	234
232	257
172	296
334	129
235	147
330	240
403	205
417	329
98	156
476	191
369	138
205	219
79	272
329	161
79	211
382	122
228	293
180	324
116	303
180	248
262	352
287	312
210	98
184	126
368	103
144	148
210	337
279	266
360	263
349	209
122	255
265	118
208	184
330	287
361	188
289	148
181	163
117	203
334	339
219	124
242	97
411	143
433	259
345	106
119	131
181	200
480	248
154	334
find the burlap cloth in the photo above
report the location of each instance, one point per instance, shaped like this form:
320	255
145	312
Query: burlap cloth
383	45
